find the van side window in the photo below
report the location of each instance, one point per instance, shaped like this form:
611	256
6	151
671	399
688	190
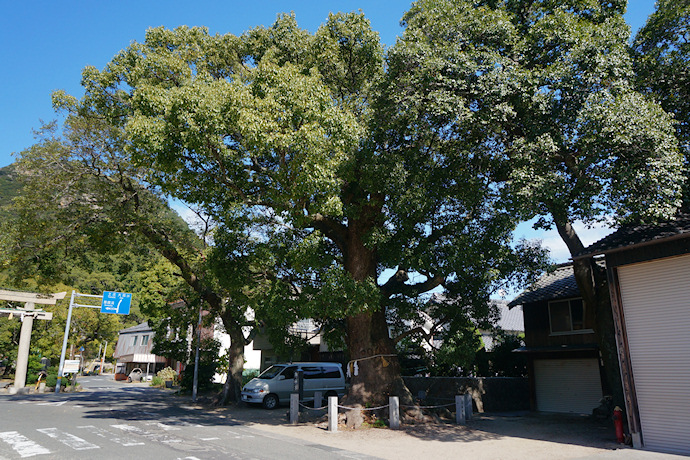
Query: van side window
289	372
331	372
312	372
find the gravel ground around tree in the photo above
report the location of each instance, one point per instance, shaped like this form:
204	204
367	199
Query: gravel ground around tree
525	436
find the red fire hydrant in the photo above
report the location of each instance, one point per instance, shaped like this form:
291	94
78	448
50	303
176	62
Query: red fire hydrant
618	423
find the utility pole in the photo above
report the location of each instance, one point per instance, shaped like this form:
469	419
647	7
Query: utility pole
103	358
195	385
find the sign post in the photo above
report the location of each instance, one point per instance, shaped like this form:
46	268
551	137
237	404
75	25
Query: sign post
111	302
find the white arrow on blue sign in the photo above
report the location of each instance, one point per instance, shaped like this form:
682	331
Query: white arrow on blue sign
116	302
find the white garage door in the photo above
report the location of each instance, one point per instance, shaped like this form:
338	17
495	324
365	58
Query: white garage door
656	306
567	385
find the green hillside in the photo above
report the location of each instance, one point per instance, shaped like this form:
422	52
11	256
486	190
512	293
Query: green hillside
9	186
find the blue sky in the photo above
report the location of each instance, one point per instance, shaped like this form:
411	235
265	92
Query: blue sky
45	44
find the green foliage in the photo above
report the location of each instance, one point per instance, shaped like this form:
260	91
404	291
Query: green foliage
157	381
501	361
51	379
208	365
33	367
249	374
9	188
456	355
661	55
542	93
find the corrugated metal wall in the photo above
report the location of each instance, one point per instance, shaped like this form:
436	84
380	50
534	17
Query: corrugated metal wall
656	305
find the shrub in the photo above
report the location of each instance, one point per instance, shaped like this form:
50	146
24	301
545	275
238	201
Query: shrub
167	374
249	374
157	381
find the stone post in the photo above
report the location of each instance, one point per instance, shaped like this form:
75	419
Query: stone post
24	346
394	412
460	409
332	414
294	408
468	406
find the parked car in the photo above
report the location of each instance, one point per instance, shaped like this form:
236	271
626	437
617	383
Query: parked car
136	375
274	385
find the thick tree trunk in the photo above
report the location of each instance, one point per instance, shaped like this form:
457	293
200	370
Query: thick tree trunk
592	282
374	364
591	279
233	383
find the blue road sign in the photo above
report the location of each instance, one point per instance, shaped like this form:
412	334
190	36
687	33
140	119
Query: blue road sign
116	302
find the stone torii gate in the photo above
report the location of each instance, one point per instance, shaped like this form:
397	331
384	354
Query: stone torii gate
27	314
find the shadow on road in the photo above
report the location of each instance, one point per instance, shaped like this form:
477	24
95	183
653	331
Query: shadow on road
143	403
566	429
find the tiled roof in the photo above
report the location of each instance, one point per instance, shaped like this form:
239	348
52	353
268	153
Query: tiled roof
138	328
630	235
508	320
559	284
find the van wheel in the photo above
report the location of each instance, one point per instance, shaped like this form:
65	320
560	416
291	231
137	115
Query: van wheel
129	379
270	402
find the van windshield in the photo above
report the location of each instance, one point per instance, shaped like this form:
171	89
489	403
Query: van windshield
271	372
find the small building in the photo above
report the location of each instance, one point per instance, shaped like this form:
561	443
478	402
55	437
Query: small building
133	350
316	347
510	322
563	362
648	269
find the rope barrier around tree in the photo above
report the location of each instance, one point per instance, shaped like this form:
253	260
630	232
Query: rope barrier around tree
463	410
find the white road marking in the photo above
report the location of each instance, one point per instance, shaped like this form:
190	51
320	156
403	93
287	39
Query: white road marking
167	427
68	439
57	403
145	434
208	439
240	436
179	422
108	435
23	445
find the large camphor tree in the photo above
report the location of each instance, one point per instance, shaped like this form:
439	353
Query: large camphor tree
287	130
544	93
661	58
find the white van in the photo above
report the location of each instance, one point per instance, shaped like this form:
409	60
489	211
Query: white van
274	385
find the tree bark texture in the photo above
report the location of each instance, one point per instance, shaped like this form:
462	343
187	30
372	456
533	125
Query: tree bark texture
592	282
374	364
233	383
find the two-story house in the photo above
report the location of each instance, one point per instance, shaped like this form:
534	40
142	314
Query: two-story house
563	357
133	349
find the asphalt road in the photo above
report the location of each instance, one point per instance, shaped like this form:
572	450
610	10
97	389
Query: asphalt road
116	420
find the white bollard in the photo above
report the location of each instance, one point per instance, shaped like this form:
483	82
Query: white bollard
332	414
318	399
394	412
460	409
294	408
468	406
